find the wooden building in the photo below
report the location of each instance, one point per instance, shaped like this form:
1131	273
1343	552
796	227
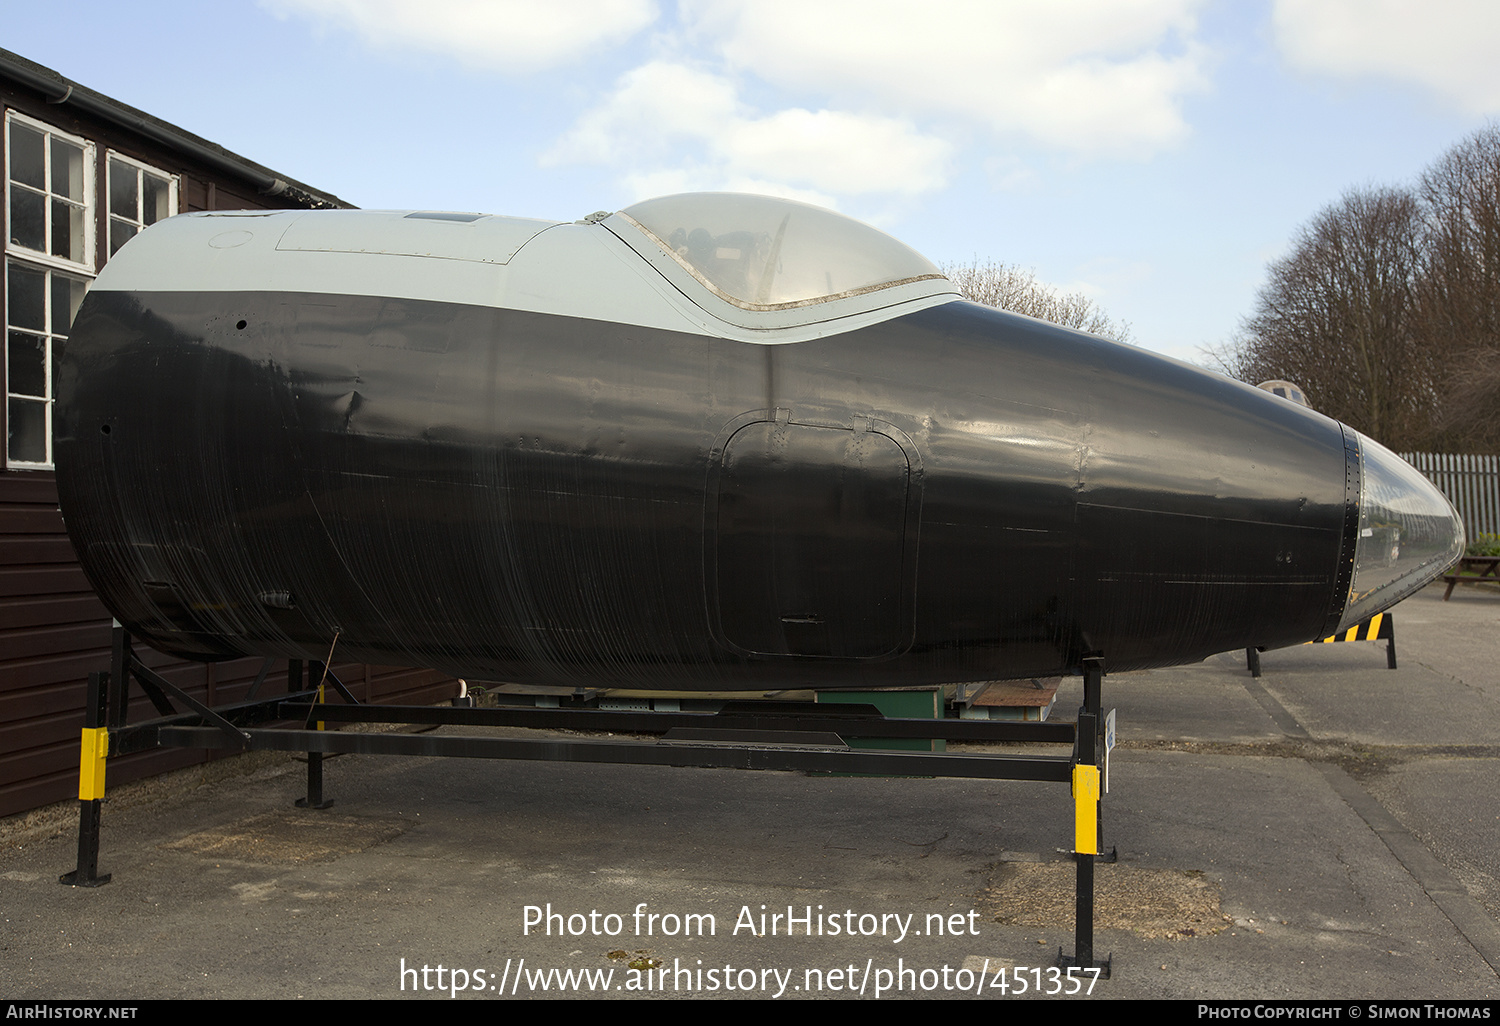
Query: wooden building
84	173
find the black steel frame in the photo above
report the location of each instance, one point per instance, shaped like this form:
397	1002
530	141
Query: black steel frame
1386	633
741	734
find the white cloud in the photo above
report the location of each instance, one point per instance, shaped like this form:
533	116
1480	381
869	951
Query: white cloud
651	106
1009	173
1090	76
1448	46
838	151
507	35
833	98
671	124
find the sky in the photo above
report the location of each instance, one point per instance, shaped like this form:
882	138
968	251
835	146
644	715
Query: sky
1152	154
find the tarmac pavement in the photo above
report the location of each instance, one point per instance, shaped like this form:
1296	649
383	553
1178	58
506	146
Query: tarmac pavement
1325	832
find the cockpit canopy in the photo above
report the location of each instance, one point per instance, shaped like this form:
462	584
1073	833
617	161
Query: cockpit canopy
763	253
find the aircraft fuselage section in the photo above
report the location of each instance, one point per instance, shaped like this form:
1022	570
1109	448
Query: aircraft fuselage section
952	494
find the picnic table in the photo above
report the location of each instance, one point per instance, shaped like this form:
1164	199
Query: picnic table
1471	569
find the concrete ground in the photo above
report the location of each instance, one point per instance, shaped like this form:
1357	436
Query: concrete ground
1327	831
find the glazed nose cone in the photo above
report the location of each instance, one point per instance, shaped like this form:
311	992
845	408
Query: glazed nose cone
1409	533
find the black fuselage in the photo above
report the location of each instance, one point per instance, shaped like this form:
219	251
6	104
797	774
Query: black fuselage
953	494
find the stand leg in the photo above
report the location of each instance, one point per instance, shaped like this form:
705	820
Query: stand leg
1086	799
1083	910
119	674
87	873
314	799
94	747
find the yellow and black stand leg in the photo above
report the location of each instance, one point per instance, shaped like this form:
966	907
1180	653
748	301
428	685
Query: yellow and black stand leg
1086	816
93	750
314	799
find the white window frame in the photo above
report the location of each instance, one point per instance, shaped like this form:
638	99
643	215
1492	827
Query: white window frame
51	333
138	222
87	264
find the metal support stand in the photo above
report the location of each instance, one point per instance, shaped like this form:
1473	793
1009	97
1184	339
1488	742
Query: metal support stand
739	734
1087	815
1380	627
314	798
91	787
106	734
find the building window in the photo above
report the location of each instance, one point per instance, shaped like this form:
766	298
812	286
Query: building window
39	307
50	191
139	196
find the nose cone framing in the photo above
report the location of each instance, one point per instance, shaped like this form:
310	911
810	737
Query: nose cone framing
1408	534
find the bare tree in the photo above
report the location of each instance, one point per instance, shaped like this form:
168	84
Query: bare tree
1460	290
1387	310
1469	417
1009	287
1338	316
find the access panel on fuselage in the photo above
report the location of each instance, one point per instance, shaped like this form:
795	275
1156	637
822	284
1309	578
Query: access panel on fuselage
808	533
